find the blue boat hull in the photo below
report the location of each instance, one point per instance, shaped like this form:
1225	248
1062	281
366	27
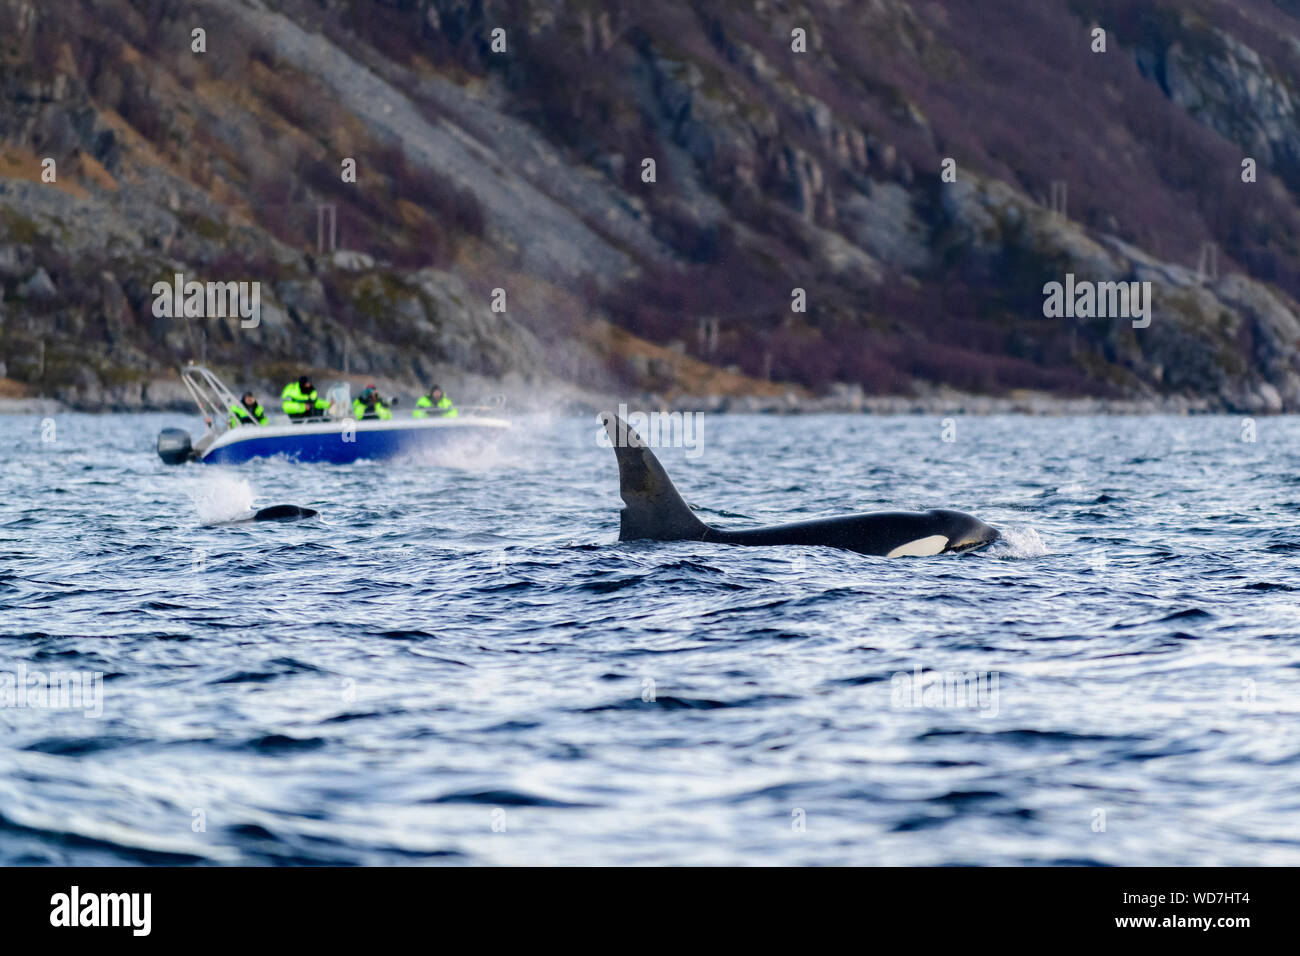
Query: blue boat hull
333	448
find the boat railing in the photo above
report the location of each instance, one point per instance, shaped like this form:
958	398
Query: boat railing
212	396
215	400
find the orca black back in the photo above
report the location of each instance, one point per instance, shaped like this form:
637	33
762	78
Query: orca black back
655	510
283	513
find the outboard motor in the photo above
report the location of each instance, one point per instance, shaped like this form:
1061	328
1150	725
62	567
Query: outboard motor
174	446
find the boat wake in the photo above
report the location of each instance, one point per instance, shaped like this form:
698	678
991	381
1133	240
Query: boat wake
465	454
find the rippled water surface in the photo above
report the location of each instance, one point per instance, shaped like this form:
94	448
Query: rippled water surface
458	663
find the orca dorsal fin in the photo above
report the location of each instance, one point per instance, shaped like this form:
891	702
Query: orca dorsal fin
654	509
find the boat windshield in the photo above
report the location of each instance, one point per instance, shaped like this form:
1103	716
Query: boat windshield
340	396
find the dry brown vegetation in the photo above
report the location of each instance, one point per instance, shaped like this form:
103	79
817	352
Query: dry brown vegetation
1009	89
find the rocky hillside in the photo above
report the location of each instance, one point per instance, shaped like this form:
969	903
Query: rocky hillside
695	201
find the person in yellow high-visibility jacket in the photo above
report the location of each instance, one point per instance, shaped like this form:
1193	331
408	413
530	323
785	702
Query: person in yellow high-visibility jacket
247	412
368	405
434	403
300	401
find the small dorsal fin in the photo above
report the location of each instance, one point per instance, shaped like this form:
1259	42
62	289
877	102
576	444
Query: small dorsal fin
654	508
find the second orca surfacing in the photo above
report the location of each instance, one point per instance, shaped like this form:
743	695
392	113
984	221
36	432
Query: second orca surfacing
655	511
275	513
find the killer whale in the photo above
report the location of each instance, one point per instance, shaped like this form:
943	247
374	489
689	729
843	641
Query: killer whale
275	513
654	510
284	513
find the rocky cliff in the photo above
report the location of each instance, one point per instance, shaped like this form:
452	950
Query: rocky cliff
761	204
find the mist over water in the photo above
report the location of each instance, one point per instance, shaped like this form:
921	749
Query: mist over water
458	663
220	496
